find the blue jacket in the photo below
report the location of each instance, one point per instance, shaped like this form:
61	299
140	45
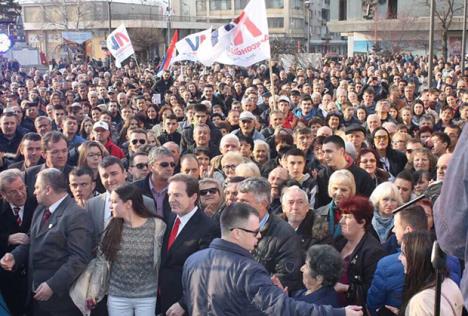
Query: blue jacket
324	296
225	280
389	279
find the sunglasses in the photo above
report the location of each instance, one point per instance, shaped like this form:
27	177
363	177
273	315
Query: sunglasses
136	141
167	164
141	166
210	191
368	161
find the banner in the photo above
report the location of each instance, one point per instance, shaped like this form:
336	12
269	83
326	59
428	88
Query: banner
243	42
188	47
120	45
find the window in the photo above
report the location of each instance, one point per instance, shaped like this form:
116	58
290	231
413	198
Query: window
297	23
201	7
240	4
343	8
392	9
297	4
274	4
276	22
220	5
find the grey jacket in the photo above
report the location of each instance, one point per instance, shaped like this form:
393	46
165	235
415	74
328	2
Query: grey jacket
451	208
225	280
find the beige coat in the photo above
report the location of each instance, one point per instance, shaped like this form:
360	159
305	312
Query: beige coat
94	281
451	303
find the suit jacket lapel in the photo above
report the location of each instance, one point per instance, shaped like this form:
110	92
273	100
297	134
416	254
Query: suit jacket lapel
101	208
54	218
186	230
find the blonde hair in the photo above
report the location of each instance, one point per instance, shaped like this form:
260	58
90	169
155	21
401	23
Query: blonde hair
345	177
247	170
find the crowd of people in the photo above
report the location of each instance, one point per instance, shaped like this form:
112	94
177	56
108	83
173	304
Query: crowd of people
214	191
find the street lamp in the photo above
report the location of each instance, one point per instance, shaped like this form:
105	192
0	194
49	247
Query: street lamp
307	4
168	15
109	14
431	43
462	62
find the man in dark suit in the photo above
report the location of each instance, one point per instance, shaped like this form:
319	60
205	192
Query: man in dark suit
189	230
16	212
162	165
55	149
59	248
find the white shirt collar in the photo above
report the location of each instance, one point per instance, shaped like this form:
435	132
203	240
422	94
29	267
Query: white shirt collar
20	212
184	219
54	206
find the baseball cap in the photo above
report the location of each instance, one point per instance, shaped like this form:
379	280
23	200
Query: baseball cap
284	98
101	124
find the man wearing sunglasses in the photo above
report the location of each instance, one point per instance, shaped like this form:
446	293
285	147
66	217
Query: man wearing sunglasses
161	163
136	140
138	166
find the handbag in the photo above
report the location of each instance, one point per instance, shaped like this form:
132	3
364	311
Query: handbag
93	282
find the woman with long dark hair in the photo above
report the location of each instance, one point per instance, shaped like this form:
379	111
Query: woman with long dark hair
420	279
131	246
391	160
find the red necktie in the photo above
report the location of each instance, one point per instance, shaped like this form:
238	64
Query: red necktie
45	217
16	211
173	235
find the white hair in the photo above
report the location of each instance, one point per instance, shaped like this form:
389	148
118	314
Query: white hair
385	190
294	188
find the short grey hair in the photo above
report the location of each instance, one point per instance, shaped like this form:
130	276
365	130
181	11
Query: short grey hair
158	152
54	178
8	176
227	137
294	188
259	186
259	142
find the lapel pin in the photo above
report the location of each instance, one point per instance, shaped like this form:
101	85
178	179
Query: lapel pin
50	226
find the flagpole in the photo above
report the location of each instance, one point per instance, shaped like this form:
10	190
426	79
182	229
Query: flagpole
272	84
136	61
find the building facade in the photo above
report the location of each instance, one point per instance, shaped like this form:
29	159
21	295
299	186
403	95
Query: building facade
395	26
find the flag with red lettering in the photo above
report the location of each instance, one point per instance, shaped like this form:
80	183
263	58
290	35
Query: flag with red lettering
120	45
242	42
171	50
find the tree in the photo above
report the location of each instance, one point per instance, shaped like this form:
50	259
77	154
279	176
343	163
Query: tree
9	10
444	11
145	41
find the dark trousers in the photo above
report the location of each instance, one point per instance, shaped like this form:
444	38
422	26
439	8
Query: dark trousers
101	308
13	286
39	311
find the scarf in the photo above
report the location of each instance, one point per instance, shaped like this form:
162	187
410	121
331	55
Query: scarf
382	225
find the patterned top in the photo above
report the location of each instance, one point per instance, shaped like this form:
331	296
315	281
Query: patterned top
132	274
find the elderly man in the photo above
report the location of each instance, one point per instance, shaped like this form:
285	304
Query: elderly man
277	179
247	127
225	279
279	248
228	143
310	228
16	212
60	248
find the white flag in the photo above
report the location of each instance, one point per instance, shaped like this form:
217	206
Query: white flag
120	45
188	47
243	42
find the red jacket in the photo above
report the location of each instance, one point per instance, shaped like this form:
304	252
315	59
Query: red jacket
114	150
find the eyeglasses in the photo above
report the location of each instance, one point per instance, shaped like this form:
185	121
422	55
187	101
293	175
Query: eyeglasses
167	164
229	167
136	141
210	191
141	166
253	232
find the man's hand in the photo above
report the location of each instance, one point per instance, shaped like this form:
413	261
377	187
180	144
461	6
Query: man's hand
353	310
341	288
276	281
18	239
43	292
7	262
175	310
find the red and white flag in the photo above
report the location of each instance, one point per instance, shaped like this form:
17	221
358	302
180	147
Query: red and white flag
242	42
